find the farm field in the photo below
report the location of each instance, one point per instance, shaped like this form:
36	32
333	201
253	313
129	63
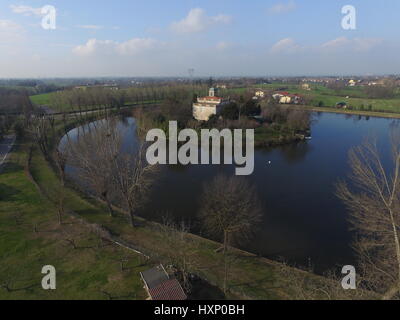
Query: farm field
355	97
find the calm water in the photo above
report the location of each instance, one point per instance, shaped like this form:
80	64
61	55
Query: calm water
303	221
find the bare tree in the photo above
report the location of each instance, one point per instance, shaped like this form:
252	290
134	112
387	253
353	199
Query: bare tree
373	200
183	250
133	176
60	159
40	129
230	211
304	285
93	153
298	120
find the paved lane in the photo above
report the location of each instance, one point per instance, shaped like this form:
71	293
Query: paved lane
5	147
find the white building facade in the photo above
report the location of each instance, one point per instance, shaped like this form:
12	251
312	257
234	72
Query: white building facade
205	107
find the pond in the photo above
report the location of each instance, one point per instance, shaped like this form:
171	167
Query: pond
303	222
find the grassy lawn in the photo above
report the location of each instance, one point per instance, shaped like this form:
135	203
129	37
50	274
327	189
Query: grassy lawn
41	99
83	273
357	98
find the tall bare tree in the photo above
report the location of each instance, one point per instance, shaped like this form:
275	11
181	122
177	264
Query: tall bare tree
93	154
133	176
373	199
183	253
60	159
230	212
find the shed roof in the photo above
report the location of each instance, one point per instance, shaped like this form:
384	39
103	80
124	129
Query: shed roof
155	276
168	290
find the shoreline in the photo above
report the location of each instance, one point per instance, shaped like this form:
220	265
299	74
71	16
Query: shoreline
387	115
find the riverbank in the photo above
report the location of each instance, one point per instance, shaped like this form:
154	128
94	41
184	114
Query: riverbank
388	115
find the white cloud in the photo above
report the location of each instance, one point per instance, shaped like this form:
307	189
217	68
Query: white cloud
135	46
287	45
336	43
341	44
356	44
106	47
26	10
90	27
93	45
282	7
197	21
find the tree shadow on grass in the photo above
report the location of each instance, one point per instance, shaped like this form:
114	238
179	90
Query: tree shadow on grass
8	193
10	167
202	290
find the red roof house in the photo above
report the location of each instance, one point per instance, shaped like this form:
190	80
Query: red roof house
160	286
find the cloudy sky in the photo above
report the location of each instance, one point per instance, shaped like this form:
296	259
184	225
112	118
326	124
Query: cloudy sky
214	37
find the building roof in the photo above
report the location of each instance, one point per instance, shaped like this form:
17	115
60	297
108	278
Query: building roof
168	290
155	276
210	98
160	286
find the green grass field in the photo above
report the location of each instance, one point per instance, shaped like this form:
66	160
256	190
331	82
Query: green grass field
355	97
41	99
89	272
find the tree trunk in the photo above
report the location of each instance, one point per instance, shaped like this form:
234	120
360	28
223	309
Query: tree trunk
225	244
109	206
397	244
225	261
131	218
60	210
225	273
108	202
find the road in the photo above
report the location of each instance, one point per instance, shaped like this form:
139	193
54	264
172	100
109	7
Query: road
5	147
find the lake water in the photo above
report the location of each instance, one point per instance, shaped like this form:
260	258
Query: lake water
303	221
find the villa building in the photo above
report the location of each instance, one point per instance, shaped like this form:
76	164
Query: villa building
287	98
205	107
259	94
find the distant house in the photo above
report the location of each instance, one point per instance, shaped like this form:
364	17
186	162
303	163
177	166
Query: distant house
259	94
287	98
205	107
160	286
306	86
341	105
352	83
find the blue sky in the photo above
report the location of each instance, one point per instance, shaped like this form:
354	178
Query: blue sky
216	38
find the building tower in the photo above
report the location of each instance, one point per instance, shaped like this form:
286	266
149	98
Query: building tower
212	92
